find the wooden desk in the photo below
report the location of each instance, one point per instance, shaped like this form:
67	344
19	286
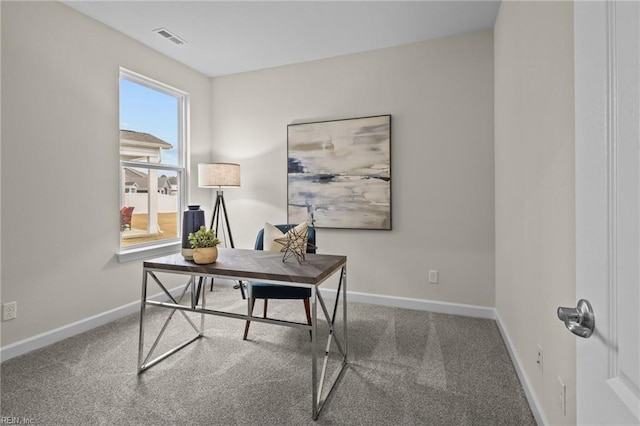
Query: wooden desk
252	265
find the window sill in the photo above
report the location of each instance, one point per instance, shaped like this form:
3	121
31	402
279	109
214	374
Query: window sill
129	255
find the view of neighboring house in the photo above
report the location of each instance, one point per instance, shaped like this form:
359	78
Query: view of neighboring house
139	146
136	181
168	185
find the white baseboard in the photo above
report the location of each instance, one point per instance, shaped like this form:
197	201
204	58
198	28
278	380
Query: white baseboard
417	304
534	403
69	330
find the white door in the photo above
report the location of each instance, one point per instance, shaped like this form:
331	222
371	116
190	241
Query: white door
607	111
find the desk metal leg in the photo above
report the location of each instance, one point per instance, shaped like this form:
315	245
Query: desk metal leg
195	293
144	363
143	305
249	296
315	393
318	400
343	278
204	303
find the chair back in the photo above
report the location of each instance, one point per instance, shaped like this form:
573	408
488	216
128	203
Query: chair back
311	237
125	215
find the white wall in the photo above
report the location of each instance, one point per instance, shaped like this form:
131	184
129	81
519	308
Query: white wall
440	96
60	208
0	167
535	191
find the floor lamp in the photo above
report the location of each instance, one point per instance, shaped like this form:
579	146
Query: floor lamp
219	175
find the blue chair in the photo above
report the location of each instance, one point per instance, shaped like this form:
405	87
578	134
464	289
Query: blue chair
274	291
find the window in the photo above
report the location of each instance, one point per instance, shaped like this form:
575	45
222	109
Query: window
152	164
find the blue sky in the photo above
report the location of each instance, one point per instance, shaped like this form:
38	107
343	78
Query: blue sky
146	110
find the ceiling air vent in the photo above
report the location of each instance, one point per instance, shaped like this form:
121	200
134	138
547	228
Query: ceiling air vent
169	35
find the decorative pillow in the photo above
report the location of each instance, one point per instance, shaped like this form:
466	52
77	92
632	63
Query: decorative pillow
271	234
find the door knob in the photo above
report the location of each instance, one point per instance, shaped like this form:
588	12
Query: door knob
579	320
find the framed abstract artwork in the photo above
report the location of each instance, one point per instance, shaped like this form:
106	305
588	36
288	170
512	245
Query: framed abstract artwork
339	173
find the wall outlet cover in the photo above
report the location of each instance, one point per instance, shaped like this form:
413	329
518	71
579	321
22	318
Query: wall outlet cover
9	311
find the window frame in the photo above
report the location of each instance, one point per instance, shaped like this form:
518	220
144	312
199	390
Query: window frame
167	246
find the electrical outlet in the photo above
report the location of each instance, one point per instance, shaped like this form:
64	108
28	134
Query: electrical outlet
433	277
562	397
540	359
9	311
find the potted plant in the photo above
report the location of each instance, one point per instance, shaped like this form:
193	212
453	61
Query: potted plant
204	244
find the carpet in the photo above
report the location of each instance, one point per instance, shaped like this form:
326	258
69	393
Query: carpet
406	367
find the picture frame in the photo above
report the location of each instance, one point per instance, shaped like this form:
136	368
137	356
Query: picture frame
339	173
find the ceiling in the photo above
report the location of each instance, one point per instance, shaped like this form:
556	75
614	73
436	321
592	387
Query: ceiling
228	37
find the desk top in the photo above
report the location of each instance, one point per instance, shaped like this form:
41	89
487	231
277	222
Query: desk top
256	265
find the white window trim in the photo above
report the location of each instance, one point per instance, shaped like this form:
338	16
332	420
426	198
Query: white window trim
161	247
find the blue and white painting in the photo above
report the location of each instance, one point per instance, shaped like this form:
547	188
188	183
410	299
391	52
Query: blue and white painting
339	173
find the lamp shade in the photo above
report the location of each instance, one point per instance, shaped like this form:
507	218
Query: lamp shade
215	175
